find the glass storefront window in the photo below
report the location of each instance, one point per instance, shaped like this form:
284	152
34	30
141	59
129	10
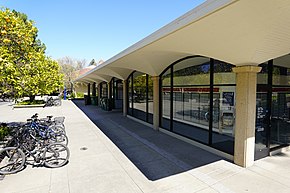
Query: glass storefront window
280	119
262	76
273	106
117	93
223	73
166	97
130	97
188	113
280	130
281	76
223	125
193	71
191	79
104	90
223	107
119	90
150	99
140	94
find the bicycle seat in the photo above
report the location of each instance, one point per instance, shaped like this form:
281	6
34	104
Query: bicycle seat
34	116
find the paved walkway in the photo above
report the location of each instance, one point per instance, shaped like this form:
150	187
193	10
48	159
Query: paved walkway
124	156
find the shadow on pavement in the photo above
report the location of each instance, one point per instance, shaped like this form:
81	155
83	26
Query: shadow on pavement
154	153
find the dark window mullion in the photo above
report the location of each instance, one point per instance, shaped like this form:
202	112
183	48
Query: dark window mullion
269	102
171	99
132	93
211	101
101	90
182	96
127	91
147	94
160	101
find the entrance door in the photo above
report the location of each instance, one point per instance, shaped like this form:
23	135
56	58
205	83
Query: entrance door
280	131
262	125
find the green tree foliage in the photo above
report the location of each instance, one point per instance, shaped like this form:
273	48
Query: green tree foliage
141	87
25	69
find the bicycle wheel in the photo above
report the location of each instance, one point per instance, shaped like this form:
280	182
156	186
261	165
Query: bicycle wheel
56	155
12	160
57	102
59	138
57	129
60	124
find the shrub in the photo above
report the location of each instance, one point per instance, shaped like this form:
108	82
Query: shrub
79	95
4	131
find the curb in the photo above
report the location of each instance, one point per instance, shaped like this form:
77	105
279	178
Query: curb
28	106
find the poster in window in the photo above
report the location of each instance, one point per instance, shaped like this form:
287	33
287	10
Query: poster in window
230	98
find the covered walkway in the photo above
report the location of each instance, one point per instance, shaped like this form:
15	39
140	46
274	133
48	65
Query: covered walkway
117	154
154	153
111	153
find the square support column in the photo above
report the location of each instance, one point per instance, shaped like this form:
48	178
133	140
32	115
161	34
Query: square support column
89	89
94	93
109	90
155	80
246	87
125	98
94	100
99	93
88	102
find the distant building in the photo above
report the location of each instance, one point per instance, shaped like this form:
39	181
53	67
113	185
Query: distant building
82	87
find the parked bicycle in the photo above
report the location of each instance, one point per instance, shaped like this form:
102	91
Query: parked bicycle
24	145
43	140
56	121
53	102
51	132
6	97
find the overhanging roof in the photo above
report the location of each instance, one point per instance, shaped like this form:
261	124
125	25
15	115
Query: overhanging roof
240	32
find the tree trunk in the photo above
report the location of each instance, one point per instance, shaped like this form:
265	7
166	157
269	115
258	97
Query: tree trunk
31	98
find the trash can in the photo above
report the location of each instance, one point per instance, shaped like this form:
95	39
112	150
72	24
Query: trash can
109	104
94	100
105	104
87	100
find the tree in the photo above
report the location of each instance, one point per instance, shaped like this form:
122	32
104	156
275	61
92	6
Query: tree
69	66
25	70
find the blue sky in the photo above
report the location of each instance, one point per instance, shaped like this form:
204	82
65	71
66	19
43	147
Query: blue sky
95	29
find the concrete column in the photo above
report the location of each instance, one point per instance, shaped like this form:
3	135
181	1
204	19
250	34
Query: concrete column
89	89
155	80
246	86
94	89
99	94
109	90
89	94
125	98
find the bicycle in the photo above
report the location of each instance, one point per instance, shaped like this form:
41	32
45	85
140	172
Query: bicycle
13	158
52	133
55	122
52	102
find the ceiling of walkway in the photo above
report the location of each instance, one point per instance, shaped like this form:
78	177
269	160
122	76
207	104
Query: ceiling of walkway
240	32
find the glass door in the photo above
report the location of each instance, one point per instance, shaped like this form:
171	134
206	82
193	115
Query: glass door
262	125
280	131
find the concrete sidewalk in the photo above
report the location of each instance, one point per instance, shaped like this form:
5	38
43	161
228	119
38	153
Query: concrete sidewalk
111	153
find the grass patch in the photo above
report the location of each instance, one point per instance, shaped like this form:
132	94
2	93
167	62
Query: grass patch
35	102
77	95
